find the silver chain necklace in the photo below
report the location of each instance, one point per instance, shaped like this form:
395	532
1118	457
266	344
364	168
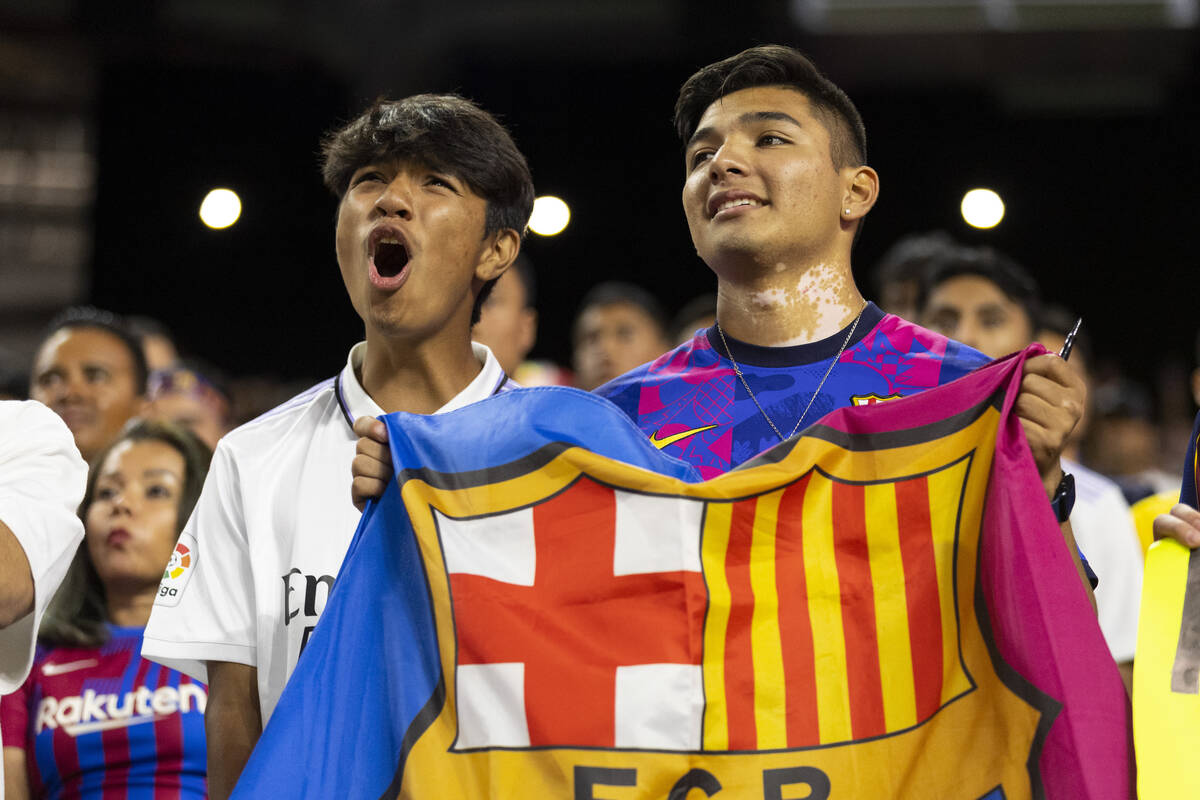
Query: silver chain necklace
749	391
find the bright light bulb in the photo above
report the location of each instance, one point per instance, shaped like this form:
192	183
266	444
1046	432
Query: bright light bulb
982	208
550	216
220	209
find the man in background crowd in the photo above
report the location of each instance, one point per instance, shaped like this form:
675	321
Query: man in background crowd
508	319
987	300
193	397
899	276
618	327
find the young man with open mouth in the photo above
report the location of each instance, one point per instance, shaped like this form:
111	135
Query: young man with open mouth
433	200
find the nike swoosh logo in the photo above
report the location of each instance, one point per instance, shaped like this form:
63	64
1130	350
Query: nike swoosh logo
70	666
676	437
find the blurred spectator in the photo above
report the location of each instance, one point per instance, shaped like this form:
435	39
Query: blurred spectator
981	298
619	326
699	313
91	371
192	396
157	342
145	732
1124	440
990	302
508	319
900	274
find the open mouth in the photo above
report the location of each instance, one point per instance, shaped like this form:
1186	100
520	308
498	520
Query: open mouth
390	258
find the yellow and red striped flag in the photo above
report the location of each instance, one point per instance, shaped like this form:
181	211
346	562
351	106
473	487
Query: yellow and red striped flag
883	607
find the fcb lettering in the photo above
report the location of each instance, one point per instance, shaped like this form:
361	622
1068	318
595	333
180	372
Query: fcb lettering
774	781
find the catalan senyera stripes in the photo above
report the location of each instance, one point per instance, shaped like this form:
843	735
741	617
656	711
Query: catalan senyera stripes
816	638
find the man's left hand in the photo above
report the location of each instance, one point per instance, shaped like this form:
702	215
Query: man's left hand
1050	406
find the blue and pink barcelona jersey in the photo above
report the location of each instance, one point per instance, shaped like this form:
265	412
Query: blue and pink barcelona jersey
692	405
105	723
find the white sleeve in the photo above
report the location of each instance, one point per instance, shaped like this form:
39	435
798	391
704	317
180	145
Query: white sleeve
205	610
1105	533
42	478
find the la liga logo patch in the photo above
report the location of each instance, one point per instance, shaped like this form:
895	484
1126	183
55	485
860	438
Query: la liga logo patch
181	559
178	571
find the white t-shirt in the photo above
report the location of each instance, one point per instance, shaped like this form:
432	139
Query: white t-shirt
1104	531
42	478
255	563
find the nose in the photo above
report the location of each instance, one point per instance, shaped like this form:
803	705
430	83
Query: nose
120	501
728	160
73	387
966	332
396	199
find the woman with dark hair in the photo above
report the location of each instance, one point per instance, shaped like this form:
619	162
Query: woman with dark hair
94	718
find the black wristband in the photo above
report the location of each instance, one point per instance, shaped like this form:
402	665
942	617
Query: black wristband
1064	498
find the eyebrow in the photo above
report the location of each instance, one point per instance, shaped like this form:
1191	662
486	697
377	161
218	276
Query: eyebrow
160	471
747	118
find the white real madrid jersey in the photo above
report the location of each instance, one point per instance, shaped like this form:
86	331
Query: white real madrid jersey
256	561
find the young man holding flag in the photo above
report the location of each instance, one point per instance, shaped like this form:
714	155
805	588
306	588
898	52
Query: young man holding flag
776	187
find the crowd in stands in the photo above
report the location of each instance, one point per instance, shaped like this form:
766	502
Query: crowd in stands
147	417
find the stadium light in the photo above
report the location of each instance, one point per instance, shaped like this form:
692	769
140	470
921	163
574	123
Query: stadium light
982	208
220	209
550	216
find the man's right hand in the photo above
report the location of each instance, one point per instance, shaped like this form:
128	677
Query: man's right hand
372	465
1182	525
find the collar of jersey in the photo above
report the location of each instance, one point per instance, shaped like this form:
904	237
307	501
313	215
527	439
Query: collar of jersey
811	353
355	401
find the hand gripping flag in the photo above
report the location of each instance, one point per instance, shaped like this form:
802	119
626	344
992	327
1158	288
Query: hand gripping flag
543	605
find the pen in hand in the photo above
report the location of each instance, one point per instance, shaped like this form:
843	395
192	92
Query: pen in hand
1069	342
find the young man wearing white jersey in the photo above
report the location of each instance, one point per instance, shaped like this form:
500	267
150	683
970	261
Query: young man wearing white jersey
434	197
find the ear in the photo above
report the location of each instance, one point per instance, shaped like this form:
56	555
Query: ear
499	251
860	192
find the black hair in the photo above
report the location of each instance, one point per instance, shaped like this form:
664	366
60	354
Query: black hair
1009	277
611	293
446	132
776	65
76	614
91	317
909	258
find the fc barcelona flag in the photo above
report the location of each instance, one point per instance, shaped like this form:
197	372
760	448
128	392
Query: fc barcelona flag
543	605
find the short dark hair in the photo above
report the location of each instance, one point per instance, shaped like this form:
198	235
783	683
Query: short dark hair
776	65
1009	277
92	317
611	293
76	614
910	257
445	132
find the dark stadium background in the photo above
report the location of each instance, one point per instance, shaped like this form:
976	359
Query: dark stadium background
1088	134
